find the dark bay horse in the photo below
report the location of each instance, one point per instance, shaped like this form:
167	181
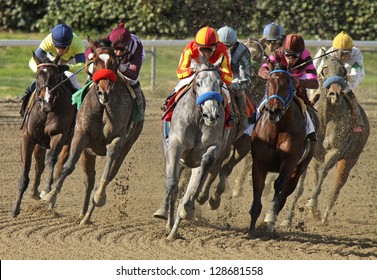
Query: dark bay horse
48	124
195	141
278	145
337	144
104	127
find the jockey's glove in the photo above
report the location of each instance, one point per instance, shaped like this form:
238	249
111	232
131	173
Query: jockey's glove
63	67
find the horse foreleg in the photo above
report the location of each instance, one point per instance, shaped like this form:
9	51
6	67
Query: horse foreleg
343	169
204	193
56	144
88	163
172	173
245	173
296	195
39	166
330	160
27	147
78	144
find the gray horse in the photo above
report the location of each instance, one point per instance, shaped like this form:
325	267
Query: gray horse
337	143
105	127
195	141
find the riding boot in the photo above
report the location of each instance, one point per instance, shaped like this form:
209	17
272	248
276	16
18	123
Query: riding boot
351	98
163	105
139	100
302	93
24	98
241	103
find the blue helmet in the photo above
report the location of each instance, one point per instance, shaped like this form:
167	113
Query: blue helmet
273	31
62	35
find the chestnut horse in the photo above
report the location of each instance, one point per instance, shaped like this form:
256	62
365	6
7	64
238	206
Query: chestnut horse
278	145
48	124
105	126
337	144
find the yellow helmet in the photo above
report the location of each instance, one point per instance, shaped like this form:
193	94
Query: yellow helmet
342	41
207	37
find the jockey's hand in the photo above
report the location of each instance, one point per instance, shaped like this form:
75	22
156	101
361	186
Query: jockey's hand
295	82
123	67
235	85
191	71
63	67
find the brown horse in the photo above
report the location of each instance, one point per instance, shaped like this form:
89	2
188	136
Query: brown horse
278	145
337	143
48	124
105	127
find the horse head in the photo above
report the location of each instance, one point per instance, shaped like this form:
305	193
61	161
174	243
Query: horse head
105	65
47	79
207	86
333	77
279	90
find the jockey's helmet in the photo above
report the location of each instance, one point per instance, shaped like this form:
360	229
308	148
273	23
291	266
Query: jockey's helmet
294	43
120	35
207	37
342	41
62	35
273	32
227	35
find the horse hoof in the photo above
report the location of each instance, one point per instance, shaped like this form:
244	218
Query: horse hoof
42	194
187	212
35	196
161	214
99	200
312	203
202	199
286	224
171	237
14	213
270	218
49	197
214	203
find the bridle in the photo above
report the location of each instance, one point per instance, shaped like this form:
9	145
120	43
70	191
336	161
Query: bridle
287	101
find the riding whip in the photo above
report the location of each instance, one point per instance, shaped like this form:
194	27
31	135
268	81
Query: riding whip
306	62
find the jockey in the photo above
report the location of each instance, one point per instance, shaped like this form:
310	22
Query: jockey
293	53
240	63
352	59
131	55
61	41
206	44
272	38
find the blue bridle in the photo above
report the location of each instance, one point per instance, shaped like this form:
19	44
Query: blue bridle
289	98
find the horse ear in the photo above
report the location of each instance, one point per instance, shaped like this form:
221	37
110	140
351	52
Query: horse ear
194	64
36	59
219	61
56	60
91	42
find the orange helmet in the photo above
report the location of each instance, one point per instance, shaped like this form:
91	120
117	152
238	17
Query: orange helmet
207	37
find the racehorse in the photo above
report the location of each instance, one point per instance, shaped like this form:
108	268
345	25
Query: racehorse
105	127
195	141
337	143
278	145
48	124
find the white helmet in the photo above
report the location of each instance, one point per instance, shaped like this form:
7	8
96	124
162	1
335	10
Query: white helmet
227	35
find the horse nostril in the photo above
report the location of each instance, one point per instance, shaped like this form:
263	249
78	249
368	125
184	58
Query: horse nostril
205	115
217	116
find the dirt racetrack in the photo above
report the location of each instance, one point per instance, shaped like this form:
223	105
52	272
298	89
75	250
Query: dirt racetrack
124	229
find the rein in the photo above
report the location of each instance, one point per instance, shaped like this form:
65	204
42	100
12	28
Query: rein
289	98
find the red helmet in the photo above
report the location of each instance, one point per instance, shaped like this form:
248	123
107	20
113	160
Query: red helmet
294	43
207	37
120	35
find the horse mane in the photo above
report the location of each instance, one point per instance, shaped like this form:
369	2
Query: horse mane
279	66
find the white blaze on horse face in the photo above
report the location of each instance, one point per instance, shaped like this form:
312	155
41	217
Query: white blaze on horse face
47	95
104	57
